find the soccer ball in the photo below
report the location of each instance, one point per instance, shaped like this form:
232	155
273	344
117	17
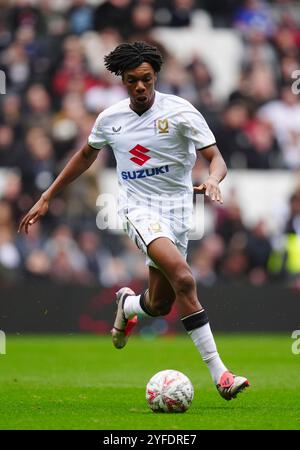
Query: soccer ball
169	391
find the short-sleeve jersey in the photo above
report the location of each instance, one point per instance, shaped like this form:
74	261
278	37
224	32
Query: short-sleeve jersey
155	151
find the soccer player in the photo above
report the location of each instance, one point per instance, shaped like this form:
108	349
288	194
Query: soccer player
154	138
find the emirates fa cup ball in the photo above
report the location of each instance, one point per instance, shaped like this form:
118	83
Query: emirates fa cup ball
169	391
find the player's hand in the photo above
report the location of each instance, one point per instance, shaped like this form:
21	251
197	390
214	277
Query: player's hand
38	210
210	188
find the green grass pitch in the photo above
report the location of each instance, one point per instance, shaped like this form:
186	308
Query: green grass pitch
82	382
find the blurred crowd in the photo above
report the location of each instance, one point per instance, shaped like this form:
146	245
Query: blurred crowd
52	55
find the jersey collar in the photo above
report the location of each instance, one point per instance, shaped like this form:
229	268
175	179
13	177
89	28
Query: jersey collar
156	93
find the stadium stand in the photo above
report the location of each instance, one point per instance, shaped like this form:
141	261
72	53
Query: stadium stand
233	60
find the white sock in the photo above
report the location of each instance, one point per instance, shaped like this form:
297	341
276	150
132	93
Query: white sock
205	343
198	328
132	307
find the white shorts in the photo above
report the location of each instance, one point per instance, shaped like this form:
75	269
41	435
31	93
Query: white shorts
144	227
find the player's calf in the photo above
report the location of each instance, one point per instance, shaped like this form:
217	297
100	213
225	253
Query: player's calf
158	306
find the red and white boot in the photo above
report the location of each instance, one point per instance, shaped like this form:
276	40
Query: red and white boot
230	385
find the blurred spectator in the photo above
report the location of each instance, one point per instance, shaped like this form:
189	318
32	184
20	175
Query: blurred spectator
254	14
12	194
73	74
264	151
293	222
37	265
23	13
258	51
234	266
176	80
55	18
38	108
257	85
67	260
100	44
11	112
80	17
65	124
181	13
6	215
97	98
262	84
10	150
38	165
285	257
258	249
97	258
133	260
113	14
33	241
233	141
205	260
17	67
5	35
9	255
230	223
286	12
142	20
201	74
284	117
288	65
287	36
203	269
222	12
286	42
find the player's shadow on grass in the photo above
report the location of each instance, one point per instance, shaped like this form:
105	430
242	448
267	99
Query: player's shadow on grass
226	408
195	410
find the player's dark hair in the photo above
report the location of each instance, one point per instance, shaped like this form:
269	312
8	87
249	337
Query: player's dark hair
131	55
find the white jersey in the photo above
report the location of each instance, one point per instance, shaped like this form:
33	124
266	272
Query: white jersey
155	152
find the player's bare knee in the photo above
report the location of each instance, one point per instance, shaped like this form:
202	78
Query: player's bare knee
184	282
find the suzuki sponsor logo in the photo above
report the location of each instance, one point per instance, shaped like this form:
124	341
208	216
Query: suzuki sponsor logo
139	156
144	173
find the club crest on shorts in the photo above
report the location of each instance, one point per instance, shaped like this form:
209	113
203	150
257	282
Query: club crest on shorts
155	227
162	126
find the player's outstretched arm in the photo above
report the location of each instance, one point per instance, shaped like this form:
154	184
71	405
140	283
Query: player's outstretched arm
78	164
217	172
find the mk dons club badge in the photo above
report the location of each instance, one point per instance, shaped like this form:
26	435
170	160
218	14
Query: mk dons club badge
155	227
162	126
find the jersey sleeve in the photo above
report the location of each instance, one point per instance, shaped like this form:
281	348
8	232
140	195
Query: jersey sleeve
96	138
194	127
